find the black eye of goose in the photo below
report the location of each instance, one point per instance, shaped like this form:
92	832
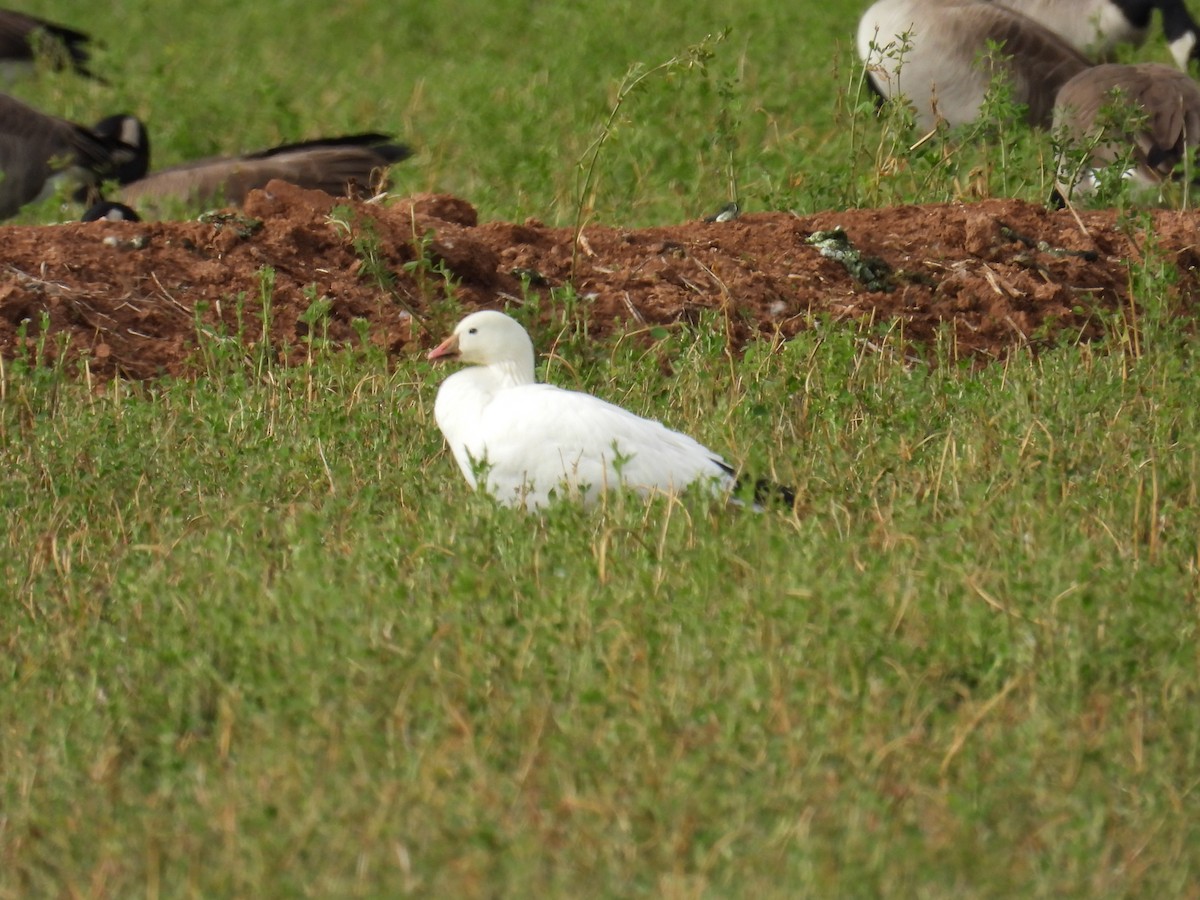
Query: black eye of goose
472	331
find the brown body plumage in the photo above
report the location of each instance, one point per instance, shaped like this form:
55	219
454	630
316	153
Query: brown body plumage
947	69
1155	122
1098	27
35	148
337	166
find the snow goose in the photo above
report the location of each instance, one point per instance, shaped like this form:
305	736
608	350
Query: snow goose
525	443
1166	103
929	51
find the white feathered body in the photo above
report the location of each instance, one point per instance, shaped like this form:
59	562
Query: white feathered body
527	443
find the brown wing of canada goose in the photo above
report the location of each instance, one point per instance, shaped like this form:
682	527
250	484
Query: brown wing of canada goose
1038	61
1098	27
333	165
1167	101
947	68
35	147
1093	27
23	38
1171	101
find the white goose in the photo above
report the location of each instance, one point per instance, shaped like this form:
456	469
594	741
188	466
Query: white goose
525	443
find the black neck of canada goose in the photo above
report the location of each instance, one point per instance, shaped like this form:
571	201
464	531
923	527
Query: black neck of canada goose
1180	29
1137	12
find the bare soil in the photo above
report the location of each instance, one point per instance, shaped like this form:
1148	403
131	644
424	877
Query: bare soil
134	298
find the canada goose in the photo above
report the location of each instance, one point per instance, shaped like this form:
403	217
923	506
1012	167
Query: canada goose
934	52
1097	27
23	38
334	165
37	149
1163	110
108	211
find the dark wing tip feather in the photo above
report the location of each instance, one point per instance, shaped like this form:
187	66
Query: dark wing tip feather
766	493
877	93
380	143
72	41
393	153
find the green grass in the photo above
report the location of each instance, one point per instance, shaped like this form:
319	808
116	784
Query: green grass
261	638
503	102
258	639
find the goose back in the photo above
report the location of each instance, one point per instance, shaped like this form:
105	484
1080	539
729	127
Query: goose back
1098	27
333	165
946	70
1164	99
37	148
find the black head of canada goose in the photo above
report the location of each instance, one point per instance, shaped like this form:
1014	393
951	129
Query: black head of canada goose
1098	27
935	54
108	211
37	149
1153	121
336	165
24	39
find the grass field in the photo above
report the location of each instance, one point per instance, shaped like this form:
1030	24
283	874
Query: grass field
258	639
501	101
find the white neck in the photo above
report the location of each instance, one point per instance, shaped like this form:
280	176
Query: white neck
1181	49
511	373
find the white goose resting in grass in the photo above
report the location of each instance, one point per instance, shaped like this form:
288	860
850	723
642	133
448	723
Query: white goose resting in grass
525	443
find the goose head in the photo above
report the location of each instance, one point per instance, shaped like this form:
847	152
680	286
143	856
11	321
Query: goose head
128	134
110	211
493	340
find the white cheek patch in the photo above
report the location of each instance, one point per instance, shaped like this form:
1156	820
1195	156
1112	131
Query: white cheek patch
1181	49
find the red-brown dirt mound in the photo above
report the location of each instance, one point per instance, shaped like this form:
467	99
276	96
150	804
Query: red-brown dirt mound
133	297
